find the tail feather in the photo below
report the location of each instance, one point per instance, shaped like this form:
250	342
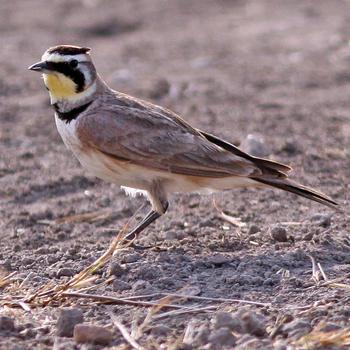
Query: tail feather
303	191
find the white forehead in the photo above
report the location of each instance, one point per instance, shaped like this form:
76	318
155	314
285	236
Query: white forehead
56	57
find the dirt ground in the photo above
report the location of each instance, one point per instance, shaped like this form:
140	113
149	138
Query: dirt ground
279	70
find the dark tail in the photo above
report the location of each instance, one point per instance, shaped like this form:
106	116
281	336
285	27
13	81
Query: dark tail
300	190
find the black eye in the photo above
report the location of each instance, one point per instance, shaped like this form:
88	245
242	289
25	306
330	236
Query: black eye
73	63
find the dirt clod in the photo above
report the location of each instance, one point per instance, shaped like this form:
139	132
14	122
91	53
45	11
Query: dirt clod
116	269
67	320
65	272
253	229
254	323
297	328
227	320
120	286
221	337
7	324
279	234
323	220
86	333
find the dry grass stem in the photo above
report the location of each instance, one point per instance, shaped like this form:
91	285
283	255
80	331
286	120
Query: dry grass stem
320	340
221	300
124	332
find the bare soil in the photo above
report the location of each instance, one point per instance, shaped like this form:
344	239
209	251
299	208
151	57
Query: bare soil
276	69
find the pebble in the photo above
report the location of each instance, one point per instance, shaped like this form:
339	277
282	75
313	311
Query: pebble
323	220
279	234
86	333
255	145
68	318
63	344
28	333
7	324
142	286
226	320
202	335
27	261
131	258
218	259
222	337
308	236
120	286
148	272
253	229
65	271
42	251
330	327
254	324
297	328
116	269
291	147
171	235
160	88
160	330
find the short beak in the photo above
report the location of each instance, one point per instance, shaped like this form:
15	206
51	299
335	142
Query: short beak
39	67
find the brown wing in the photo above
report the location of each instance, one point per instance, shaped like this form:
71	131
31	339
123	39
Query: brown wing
151	136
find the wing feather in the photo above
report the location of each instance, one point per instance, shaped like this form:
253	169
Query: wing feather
148	135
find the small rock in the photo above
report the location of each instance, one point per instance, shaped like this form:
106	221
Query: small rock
160	88
255	145
63	344
160	330
222	337
65	271
142	286
86	333
244	340
308	236
42	251
116	269
297	328
323	220
254	324
280	345
218	259
226	320
202	335
291	147
27	261
171	235
148	272
279	234
120	286
68	318
330	327
28	333
253	229
7	324
131	258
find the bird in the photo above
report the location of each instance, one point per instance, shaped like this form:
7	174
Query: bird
145	148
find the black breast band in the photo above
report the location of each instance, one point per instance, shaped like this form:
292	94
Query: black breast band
72	114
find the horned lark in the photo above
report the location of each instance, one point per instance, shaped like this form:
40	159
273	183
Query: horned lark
143	147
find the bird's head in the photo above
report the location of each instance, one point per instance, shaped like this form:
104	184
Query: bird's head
68	72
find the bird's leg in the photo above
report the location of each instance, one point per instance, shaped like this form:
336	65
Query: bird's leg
159	207
146	221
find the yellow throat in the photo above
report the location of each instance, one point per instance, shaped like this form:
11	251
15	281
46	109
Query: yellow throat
59	86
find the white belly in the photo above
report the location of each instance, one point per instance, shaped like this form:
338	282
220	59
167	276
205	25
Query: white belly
134	178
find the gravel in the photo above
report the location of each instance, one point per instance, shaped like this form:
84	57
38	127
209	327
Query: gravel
87	333
67	320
